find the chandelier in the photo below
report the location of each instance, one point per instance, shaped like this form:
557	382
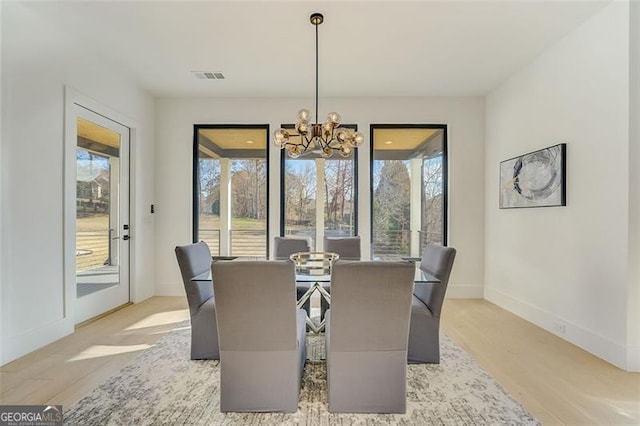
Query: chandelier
324	137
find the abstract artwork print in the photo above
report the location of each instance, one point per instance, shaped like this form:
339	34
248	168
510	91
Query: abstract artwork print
536	179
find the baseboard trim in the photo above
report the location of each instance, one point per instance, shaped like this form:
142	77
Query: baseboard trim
102	315
592	342
169	289
465	292
14	347
633	358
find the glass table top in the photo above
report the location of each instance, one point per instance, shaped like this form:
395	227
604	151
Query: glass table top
320	276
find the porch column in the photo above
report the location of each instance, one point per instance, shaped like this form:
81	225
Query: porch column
320	195
415	173
225	207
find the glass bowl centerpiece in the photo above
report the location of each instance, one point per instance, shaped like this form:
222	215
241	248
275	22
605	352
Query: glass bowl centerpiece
314	262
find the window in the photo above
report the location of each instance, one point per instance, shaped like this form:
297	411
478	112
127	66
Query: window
408	189
231	189
319	196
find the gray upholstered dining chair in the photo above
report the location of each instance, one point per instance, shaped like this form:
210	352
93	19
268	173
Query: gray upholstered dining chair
261	334
347	247
194	259
283	247
424	333
366	335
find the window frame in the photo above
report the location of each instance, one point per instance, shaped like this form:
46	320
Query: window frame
445	174
195	188
283	156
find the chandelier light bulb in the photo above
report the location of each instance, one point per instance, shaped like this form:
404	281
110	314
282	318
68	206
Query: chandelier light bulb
302	127
294	151
326	152
357	139
280	137
342	136
334	118
345	151
304	115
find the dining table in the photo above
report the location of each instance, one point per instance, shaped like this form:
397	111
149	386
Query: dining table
320	281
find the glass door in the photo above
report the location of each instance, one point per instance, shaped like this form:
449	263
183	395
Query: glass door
102	214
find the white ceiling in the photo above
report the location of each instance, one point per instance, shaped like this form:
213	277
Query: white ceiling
367	48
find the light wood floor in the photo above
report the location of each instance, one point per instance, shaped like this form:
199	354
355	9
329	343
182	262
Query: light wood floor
556	381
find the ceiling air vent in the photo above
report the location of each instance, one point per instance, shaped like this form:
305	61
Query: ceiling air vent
208	75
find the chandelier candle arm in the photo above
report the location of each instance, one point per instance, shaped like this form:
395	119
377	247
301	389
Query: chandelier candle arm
328	136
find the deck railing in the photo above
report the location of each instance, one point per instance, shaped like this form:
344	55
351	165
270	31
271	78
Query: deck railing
212	238
244	242
248	242
427	237
394	244
387	245
391	244
92	249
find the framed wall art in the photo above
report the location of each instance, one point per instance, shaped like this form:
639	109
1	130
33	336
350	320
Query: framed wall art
537	179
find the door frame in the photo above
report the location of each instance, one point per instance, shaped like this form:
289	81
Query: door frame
72	97
107	299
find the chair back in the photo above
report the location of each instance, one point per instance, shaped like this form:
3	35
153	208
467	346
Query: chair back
283	247
370	306
438	261
347	247
255	305
261	335
367	336
195	259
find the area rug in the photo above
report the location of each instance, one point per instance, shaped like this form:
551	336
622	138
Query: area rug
162	386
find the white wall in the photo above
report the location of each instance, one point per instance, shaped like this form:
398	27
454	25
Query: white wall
567	266
2	180
38	60
633	306
464	116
